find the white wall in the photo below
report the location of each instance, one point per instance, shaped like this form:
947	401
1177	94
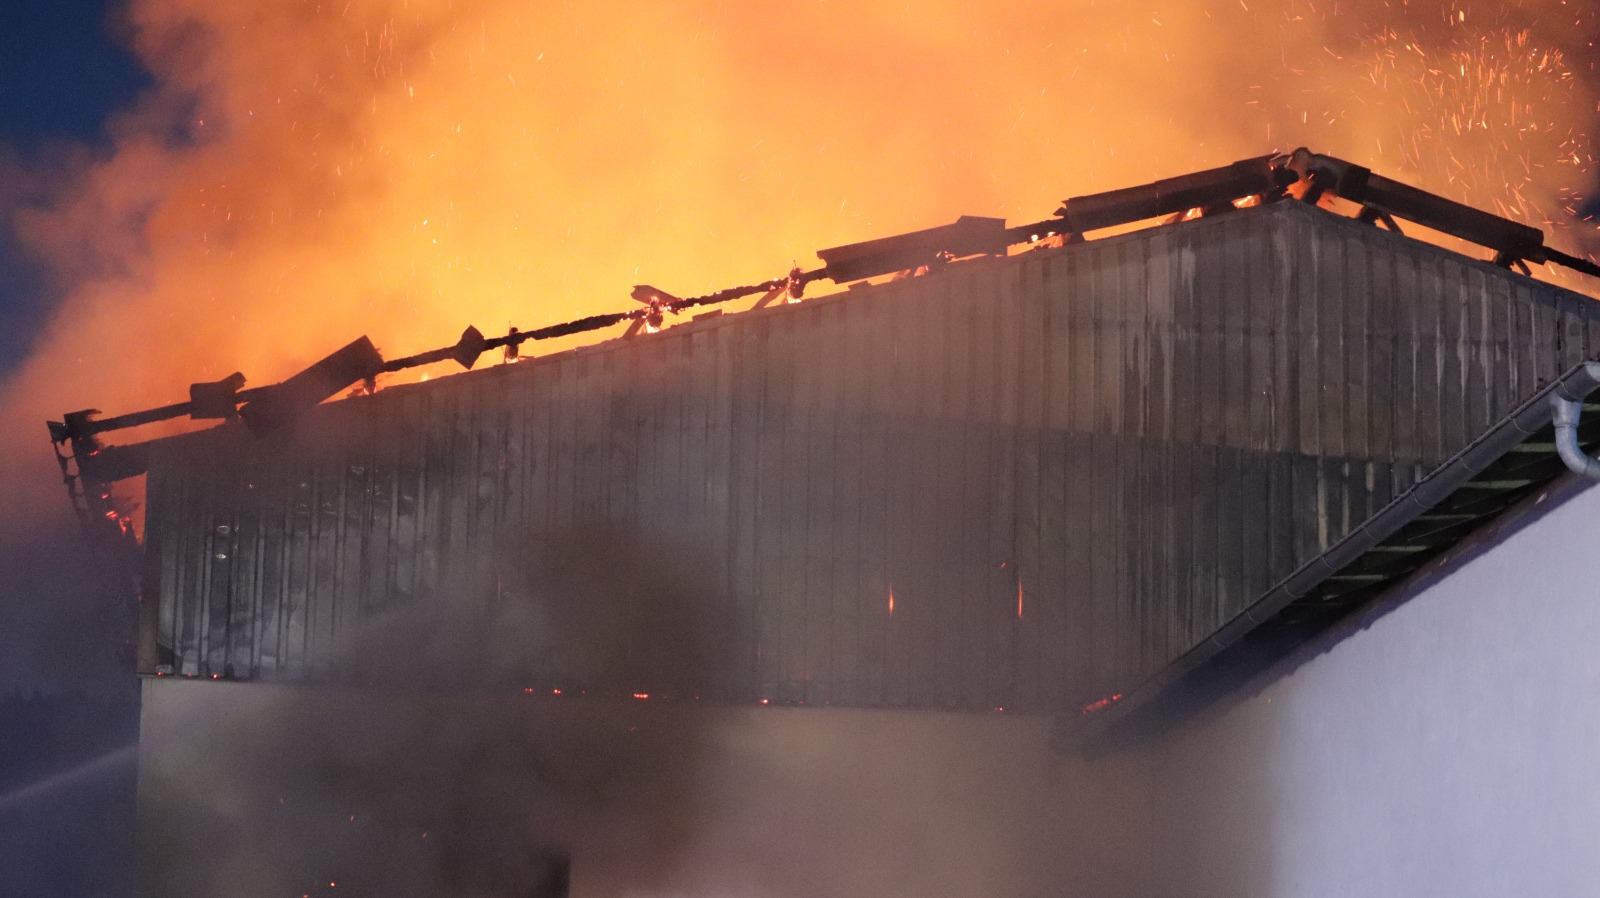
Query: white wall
1450	748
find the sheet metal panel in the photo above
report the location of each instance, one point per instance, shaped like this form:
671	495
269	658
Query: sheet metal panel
1067	467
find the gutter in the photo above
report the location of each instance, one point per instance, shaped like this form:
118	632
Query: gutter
1309	585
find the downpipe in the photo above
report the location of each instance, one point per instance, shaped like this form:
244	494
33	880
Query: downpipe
1567	412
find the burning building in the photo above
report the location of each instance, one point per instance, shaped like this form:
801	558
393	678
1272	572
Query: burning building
980	578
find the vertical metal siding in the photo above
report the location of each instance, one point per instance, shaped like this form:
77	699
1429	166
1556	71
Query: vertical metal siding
1125	441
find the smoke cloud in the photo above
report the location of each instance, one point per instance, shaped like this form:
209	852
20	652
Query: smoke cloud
420	763
306	172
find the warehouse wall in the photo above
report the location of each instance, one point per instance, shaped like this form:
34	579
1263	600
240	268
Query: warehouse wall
1065	467
1447	748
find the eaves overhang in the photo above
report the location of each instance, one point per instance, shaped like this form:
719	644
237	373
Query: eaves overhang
1514	458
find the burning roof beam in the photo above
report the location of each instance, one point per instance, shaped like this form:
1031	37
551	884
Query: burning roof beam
277	405
969	236
1385	198
1211	191
1265	178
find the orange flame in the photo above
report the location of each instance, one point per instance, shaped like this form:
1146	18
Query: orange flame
411	163
402	168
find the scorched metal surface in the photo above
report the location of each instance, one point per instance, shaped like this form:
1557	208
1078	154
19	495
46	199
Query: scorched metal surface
1067	467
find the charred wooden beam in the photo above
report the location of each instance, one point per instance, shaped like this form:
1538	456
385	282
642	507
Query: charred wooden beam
968	236
1385	199
1262	176
279	404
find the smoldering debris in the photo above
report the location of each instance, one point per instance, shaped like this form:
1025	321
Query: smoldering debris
424	763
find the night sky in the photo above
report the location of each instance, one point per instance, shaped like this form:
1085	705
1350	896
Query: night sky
62	72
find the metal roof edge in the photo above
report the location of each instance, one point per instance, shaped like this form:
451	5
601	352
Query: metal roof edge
1141	712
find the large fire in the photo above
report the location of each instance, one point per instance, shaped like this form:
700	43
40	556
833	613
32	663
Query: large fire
310	172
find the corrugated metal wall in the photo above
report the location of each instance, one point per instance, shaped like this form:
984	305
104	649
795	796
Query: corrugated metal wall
1067	467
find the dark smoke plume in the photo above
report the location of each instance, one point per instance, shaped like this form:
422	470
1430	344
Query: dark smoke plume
420	764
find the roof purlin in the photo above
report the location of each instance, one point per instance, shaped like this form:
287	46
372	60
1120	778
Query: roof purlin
1460	496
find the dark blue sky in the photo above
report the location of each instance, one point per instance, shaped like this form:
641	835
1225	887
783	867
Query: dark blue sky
63	70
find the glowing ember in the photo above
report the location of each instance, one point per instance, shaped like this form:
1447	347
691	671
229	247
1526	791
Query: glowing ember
1101	705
